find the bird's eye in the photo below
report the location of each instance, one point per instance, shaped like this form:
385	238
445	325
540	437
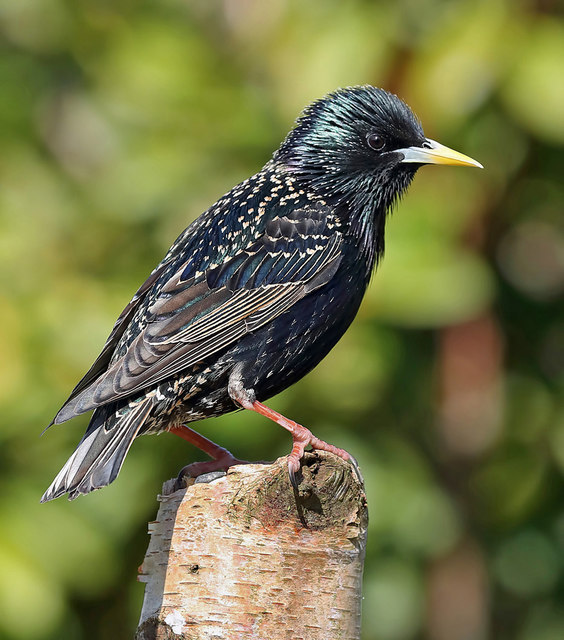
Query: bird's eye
375	141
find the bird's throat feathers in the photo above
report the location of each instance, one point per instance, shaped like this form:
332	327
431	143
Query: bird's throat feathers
366	216
360	198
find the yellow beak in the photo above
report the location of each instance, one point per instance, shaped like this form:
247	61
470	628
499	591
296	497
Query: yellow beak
434	153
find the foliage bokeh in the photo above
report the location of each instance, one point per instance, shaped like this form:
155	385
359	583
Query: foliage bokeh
121	121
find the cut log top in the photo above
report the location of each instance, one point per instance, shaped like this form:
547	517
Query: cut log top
245	557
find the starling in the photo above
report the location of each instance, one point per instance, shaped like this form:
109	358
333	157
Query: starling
255	292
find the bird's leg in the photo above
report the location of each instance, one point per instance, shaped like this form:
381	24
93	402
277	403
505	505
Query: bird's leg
222	459
301	436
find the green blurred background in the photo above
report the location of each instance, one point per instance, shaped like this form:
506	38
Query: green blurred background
121	121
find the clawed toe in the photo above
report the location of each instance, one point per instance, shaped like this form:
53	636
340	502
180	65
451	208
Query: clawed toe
294	471
304	439
356	469
195	469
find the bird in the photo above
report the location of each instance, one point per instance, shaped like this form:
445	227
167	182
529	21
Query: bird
255	292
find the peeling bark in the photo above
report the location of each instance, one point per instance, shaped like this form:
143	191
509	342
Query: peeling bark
244	557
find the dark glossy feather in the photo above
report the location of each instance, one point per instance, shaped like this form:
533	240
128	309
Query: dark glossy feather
98	458
103	360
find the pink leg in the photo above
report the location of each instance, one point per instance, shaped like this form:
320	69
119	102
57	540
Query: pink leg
222	459
301	438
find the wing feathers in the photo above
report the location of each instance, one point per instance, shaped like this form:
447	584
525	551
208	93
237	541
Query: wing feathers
193	319
100	454
120	326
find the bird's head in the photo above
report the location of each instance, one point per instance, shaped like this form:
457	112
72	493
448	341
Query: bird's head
361	147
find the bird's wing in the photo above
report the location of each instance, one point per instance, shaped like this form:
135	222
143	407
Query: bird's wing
194	319
103	360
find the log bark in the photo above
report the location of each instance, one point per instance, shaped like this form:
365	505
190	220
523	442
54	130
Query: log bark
244	557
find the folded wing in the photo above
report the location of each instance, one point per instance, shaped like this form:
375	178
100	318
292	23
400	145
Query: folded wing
198	318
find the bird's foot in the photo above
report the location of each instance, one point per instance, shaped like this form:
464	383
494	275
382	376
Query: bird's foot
303	438
195	469
222	459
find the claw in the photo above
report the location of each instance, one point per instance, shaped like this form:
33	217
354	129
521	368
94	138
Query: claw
294	476
356	469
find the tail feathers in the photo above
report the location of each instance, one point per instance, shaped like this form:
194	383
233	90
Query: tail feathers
100	454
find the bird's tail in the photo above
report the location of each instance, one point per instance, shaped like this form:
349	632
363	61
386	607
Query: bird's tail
101	452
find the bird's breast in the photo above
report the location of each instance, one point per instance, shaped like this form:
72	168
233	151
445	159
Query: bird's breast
281	353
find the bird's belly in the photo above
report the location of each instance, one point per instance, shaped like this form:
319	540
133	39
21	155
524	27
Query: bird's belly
282	353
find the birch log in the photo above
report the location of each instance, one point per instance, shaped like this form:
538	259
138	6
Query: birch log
244	557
